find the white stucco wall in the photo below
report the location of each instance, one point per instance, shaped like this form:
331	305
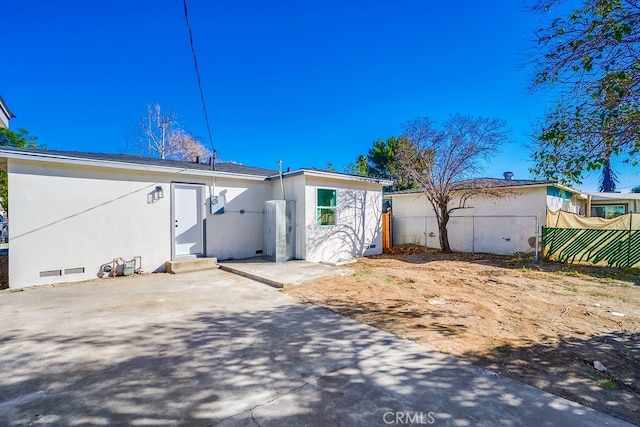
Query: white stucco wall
67	217
238	233
358	226
70	216
414	221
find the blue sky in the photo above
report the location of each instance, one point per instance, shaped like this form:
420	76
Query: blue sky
307	83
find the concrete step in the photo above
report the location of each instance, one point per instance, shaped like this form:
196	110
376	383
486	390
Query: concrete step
191	264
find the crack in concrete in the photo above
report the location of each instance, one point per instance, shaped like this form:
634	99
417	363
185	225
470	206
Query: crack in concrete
294	389
254	418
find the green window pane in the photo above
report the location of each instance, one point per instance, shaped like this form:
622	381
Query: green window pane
326	197
608	211
598	211
617	211
326	216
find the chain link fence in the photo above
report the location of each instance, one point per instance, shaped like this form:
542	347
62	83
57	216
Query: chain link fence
490	234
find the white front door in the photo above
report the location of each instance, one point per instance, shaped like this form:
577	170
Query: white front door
188	229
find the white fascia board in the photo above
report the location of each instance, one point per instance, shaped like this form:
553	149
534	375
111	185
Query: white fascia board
48	158
331	175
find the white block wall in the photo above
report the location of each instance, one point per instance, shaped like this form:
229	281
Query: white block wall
414	222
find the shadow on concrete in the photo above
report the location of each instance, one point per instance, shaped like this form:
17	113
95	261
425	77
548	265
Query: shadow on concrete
293	365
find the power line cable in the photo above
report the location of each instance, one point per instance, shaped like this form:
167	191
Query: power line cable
195	64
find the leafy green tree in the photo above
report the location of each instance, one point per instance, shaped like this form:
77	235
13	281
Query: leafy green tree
360	167
383	162
440	158
591	60
20	138
636	189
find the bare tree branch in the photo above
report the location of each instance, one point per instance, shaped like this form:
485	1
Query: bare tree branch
161	136
439	158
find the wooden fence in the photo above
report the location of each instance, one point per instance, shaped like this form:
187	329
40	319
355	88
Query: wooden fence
387	230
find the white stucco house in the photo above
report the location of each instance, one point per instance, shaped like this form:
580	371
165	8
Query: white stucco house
72	213
5	114
502	221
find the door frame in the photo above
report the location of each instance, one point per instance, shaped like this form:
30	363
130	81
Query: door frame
173	218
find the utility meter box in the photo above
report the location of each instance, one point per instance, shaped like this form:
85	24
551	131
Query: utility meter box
279	230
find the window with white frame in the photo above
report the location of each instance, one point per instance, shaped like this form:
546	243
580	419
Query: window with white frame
326	206
608	211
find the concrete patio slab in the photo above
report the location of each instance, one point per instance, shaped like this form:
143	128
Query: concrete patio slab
212	348
281	274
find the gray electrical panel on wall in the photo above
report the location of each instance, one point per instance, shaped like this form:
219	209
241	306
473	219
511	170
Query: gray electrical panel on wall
279	230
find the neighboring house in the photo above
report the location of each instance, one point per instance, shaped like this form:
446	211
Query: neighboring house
5	114
72	213
612	205
501	221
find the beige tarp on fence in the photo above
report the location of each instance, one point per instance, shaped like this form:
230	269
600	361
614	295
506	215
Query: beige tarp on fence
563	219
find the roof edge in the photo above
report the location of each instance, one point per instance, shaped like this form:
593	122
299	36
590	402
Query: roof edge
5	108
77	160
334	175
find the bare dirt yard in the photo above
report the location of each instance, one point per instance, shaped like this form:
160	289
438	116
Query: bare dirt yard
544	324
